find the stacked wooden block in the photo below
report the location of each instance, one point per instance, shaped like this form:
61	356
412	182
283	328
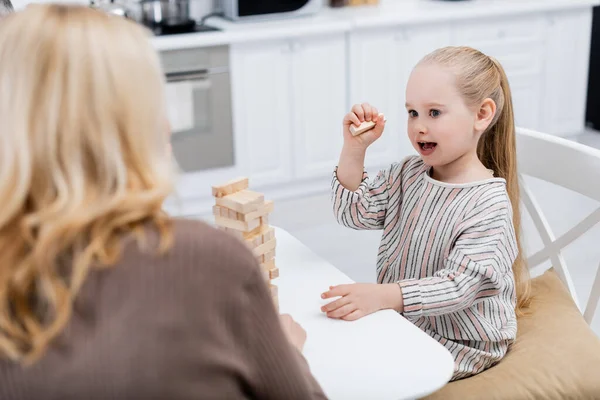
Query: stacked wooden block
245	214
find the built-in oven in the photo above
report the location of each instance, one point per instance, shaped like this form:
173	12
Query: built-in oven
199	107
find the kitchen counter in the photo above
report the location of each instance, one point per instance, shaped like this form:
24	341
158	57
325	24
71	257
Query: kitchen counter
388	13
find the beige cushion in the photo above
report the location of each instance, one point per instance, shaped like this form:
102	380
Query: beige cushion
556	354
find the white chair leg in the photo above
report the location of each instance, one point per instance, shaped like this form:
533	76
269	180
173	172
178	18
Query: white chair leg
592	304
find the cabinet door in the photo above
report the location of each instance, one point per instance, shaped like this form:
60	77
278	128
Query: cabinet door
318	103
567	64
380	64
261	86
518	44
414	43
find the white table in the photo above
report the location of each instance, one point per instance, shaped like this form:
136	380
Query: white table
380	356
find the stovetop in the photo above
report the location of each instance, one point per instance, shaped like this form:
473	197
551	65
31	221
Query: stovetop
164	31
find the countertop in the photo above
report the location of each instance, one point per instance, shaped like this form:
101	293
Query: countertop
387	13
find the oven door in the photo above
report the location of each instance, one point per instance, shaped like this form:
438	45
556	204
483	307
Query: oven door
199	107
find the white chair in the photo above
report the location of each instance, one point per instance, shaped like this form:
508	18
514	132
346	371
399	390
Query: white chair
573	166
556	354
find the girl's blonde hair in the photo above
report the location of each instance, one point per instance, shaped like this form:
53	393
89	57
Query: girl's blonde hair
83	160
479	77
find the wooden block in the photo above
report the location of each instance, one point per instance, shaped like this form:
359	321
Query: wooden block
276	301
274	273
264	220
237	225
269	234
230	187
274	291
268	265
239	234
362	128
258	238
243	201
231	214
261	212
265	248
265	258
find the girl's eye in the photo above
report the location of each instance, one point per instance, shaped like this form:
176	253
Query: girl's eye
435	113
413	113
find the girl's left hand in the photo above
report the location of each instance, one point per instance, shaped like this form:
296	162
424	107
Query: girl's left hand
357	300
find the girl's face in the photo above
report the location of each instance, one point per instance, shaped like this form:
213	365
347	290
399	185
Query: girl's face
440	125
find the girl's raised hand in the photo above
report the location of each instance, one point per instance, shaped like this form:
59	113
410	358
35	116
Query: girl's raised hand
359	114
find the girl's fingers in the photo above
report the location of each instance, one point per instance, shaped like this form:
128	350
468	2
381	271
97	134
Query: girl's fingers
334	305
368	110
335	291
352	118
342	311
353	316
360	113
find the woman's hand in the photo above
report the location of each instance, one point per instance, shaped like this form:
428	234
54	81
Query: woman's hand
294	332
360	299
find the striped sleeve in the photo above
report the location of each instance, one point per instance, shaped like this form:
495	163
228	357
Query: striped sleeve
364	208
473	271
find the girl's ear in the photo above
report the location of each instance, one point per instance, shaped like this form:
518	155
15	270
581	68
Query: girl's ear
485	115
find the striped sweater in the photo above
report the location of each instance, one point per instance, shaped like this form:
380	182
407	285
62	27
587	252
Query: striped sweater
450	247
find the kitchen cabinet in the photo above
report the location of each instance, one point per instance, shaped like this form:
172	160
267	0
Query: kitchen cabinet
381	62
291	86
261	74
319	103
289	101
566	72
518	44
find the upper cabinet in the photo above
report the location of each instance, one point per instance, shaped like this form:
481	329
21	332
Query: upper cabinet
289	100
319	103
380	63
519	45
566	63
262	91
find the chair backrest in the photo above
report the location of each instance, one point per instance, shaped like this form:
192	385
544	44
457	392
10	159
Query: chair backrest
573	166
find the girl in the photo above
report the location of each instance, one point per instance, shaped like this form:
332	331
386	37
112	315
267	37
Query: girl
450	254
103	296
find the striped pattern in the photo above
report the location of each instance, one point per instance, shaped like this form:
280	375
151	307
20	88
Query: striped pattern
451	248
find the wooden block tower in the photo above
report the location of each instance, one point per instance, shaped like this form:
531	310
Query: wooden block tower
245	214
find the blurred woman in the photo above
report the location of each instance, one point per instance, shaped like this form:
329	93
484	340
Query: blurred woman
102	295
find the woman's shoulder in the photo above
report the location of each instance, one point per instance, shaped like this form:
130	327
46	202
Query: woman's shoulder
197	250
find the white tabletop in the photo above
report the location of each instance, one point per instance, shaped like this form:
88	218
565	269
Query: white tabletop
380	356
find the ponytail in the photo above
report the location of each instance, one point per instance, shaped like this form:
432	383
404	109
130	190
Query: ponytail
497	151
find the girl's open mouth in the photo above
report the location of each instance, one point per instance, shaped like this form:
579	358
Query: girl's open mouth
427	147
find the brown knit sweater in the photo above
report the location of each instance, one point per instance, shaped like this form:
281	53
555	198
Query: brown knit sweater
197	323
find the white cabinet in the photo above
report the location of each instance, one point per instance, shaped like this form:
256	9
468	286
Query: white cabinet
380	63
566	72
289	98
518	44
261	82
319	104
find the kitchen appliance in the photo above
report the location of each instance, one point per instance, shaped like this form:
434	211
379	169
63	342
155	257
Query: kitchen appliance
169	13
593	96
199	106
268	9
